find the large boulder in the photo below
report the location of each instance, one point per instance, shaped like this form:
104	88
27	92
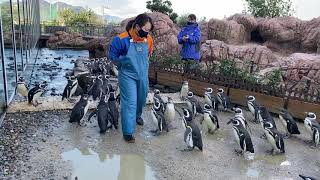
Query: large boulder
248	21
311	35
214	50
229	32
62	39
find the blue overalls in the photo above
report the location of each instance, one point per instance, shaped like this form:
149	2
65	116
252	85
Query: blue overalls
134	84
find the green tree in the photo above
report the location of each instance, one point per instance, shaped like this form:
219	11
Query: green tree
269	8
163	7
69	17
183	20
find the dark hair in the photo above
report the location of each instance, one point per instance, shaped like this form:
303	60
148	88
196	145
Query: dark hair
141	20
192	17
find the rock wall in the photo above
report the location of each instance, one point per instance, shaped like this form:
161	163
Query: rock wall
62	39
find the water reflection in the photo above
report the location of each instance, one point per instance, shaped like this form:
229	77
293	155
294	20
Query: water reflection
87	164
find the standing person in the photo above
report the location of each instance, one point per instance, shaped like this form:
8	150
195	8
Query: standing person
130	51
189	37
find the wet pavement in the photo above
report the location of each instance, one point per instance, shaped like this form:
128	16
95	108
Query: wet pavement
51	148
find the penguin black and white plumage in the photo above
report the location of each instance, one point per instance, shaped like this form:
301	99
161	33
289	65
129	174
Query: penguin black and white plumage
115	71
238	114
184	90
210	119
224	100
96	90
35	93
85	81
156	95
307	177
243	138
288	123
22	87
193	104
157	114
102	114
106	87
70	88
265	116
211	99
80	110
253	107
192	134
313	127
274	137
113	109
169	112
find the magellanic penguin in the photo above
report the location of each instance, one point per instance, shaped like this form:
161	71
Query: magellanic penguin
156	95
102	114
238	114
253	107
106	87
184	90
157	114
193	104
274	138
22	87
170	112
70	88
192	134
313	127
114	71
80	110
265	116
113	109
211	99
243	139
210	119
307	177
224	100
288	123
35	93
96	90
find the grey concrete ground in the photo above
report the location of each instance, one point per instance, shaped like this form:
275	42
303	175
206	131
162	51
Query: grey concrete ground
44	145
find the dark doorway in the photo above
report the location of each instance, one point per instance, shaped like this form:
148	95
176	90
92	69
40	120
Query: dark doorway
256	37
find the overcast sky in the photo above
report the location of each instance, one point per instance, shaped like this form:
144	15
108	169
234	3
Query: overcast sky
304	9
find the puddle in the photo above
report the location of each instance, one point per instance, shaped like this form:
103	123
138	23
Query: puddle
87	164
274	160
252	173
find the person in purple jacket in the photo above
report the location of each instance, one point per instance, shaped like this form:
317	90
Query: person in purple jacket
189	37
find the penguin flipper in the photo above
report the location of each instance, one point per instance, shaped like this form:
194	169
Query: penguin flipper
92	114
280	143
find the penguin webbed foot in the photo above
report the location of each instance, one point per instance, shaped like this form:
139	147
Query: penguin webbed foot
271	152
239	152
71	100
188	149
263	136
308	141
286	136
313	146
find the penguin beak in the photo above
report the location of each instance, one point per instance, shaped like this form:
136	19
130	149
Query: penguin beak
229	121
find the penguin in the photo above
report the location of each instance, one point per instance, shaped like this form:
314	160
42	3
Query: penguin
106	87
70	88
238	114
156	94
210	119
274	138
288	123
114	71
22	87
184	90
307	177
102	114
80	110
170	112
265	116
243	138
85	81
224	100
253	107
80	67
193	104
192	134
313	127
158	119
211	99
113	109
96	90
35	93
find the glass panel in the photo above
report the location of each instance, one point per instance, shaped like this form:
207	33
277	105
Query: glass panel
2	93
17	27
9	58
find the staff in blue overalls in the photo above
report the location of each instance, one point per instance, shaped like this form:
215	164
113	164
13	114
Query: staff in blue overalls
130	51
